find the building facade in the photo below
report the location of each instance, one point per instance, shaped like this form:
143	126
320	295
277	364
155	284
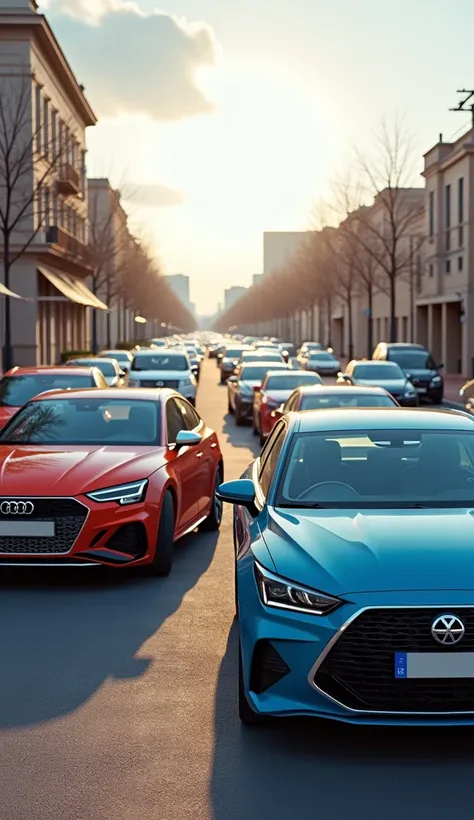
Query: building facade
179	284
279	247
231	295
48	246
445	297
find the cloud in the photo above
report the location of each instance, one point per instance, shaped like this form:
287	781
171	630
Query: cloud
132	62
151	195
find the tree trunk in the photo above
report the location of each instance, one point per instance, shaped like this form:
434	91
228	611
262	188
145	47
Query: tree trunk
393	318
350	328
370	322
7	349
109	342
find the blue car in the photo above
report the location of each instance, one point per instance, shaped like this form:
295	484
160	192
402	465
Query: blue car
354	542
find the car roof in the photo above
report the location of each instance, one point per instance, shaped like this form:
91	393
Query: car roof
110	350
376	418
157	352
92	359
372	362
335	389
271	365
125	393
407	345
54	370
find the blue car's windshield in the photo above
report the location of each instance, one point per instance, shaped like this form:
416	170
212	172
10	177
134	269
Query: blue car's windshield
380	468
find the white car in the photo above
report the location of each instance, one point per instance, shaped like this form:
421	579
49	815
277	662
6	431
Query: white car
164	368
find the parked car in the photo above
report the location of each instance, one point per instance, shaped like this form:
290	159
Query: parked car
106	477
160	342
276	389
388	375
331	396
418	364
167	368
123	357
241	387
20	384
288	350
112	372
352	533
322	362
229	361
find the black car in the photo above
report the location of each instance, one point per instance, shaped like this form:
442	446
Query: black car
418	364
388	375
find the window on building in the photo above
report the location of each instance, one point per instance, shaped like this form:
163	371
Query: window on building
405	329
54	134
39	119
461	200
431	213
39	205
61	141
460	263
430	271
46	136
447	215
448	266
83	172
47	208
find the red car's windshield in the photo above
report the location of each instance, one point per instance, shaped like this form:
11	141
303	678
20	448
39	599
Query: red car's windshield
85	421
15	391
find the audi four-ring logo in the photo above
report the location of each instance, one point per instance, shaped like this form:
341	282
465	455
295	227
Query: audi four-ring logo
17	508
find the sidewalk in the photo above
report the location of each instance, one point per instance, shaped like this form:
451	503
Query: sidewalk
452	385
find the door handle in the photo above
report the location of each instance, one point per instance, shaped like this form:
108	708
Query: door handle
199	455
213	445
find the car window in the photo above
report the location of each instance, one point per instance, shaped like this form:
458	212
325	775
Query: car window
160	361
15	391
270	459
175	420
191	418
380	371
291	403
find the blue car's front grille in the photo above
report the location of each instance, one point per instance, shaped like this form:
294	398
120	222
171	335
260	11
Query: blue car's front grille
359	669
268	667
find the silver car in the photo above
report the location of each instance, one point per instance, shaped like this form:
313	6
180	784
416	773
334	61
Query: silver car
164	368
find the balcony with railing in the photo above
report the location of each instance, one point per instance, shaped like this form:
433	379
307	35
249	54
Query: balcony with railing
69	182
68	243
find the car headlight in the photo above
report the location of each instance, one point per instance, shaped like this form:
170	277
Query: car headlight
410	391
436	380
131	493
282	594
134	382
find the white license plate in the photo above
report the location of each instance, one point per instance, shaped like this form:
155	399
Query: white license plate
434	665
421	389
26	529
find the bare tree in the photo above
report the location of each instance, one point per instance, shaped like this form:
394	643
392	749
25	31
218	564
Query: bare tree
390	231
30	159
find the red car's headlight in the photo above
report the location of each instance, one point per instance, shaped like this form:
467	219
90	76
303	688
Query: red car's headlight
123	494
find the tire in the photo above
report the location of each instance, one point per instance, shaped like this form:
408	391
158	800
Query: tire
255	428
262	439
214	519
239	420
163	558
246	714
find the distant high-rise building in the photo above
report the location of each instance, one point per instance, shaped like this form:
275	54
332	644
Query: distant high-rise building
256	278
279	247
232	294
179	284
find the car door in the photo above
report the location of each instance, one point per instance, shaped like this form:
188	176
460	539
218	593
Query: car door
184	462
204	466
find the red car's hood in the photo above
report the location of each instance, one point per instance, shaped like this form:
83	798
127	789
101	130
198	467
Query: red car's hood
6	414
48	470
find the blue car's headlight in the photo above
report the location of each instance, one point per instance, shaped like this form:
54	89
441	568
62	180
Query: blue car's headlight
283	594
131	493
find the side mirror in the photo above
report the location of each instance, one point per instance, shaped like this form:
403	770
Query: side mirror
440	366
122	373
408	375
278	413
232	380
257	388
240	492
186	438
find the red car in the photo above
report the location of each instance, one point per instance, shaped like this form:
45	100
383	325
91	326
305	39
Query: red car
106	477
326	397
21	384
275	390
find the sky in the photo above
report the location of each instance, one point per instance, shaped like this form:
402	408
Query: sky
222	120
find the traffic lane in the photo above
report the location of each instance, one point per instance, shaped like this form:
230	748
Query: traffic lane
107	690
327	768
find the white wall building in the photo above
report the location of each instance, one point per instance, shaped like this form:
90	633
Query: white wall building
179	284
37	83
231	295
279	247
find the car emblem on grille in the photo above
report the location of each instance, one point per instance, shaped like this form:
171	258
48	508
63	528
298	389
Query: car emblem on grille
159	384
447	629
17	508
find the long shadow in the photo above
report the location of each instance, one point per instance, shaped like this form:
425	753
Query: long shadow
332	771
240	436
65	633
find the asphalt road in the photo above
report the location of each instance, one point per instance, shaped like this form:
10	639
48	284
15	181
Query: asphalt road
118	702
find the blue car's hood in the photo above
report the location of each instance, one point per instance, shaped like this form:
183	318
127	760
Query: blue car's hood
345	551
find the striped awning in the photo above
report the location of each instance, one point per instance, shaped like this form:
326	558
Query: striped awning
71	288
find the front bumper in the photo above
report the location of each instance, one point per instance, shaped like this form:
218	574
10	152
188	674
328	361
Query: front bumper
85	533
245	406
286	657
405	401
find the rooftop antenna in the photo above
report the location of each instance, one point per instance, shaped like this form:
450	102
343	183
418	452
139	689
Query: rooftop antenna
465	104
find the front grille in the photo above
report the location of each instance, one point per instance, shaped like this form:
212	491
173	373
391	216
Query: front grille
268	667
68	516
359	669
173	384
130	538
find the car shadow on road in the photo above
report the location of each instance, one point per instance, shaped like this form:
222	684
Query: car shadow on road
240	436
67	631
332	771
